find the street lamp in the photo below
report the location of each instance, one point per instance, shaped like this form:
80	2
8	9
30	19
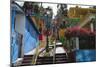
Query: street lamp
47	28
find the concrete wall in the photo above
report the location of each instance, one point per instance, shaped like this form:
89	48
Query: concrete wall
20	28
20	23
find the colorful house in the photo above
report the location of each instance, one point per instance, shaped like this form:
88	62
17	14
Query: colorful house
24	34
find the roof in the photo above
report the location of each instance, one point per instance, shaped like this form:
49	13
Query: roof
76	31
17	7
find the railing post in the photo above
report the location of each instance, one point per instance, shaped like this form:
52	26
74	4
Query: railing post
34	59
54	52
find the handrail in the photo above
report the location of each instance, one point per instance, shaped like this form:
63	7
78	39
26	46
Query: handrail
54	52
35	56
42	51
34	59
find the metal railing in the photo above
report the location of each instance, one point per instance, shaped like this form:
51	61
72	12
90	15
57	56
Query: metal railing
35	55
54	50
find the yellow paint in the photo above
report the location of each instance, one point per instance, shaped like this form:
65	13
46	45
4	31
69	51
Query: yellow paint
61	32
78	12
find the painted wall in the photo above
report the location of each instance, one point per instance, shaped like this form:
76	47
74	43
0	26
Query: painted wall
14	46
20	23
30	37
85	55
20	28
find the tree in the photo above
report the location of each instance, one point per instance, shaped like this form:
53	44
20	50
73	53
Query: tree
62	9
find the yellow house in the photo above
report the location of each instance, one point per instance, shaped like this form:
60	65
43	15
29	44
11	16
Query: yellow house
78	12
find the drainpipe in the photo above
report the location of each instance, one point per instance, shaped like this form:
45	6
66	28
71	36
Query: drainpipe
77	43
47	50
91	26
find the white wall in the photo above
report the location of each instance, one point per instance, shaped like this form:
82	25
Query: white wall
20	23
20	28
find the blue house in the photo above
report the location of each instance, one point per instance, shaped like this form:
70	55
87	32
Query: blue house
24	33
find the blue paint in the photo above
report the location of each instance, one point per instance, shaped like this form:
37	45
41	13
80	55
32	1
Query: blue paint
85	55
14	53
31	29
14	45
30	37
13	19
30	42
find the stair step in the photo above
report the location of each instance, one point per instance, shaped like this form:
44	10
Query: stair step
45	57
27	58
61	61
26	61
60	58
28	55
26	64
60	55
43	62
59	45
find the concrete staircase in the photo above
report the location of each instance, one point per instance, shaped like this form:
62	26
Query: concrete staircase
59	58
27	61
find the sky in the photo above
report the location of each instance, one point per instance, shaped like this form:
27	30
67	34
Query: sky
53	6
